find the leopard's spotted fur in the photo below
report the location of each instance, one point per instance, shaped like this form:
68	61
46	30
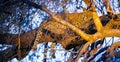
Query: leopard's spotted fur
80	20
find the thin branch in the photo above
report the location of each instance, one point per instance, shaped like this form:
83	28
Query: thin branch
82	50
97	21
96	18
108	6
111	49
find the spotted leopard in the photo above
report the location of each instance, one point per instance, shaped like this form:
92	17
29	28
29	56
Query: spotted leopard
77	19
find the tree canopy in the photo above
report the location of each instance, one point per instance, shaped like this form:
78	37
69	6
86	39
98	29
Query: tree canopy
80	25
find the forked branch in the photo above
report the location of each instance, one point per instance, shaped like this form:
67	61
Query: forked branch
96	18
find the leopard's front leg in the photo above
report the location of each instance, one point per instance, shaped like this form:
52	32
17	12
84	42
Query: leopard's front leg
37	39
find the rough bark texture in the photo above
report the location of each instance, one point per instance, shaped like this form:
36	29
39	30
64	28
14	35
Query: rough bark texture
27	40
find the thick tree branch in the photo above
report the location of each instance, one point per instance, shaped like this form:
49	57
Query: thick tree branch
99	35
75	29
91	38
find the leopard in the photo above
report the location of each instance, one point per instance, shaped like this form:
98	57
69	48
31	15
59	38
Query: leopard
80	20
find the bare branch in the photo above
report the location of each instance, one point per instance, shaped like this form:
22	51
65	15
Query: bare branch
108	6
97	21
96	18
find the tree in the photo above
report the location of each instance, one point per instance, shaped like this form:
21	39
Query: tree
71	30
